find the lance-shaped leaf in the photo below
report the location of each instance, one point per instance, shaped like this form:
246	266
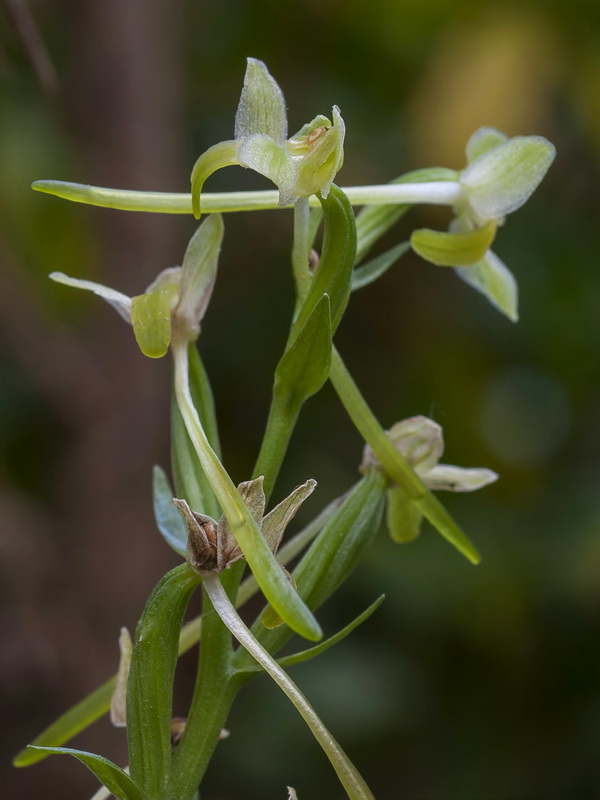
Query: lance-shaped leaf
369	272
319	649
76	719
189	478
304	367
151	675
168	519
333	554
504	177
113	777
118	703
453	249
494	280
334	273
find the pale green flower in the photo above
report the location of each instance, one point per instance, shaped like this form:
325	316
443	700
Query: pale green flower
500	176
176	301
300	166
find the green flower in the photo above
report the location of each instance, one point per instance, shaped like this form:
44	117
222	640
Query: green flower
300	166
500	176
176	301
420	440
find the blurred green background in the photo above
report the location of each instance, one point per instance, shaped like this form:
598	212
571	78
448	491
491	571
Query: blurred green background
469	682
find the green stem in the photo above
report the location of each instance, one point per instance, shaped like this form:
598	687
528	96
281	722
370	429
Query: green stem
300	250
281	422
392	461
436	192
271	579
351	780
213	697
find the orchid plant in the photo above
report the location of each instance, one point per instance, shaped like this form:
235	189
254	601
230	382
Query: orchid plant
228	542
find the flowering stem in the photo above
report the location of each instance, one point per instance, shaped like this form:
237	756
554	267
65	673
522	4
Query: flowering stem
300	250
435	192
350	778
392	461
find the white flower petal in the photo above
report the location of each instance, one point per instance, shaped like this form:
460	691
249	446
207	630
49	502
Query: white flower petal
120	302
458	479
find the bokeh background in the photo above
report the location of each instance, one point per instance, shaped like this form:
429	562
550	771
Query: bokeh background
469	683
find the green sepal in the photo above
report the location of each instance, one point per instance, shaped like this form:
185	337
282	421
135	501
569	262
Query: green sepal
374	221
76	719
151	319
151	676
262	105
168	519
189	479
198	274
264	155
403	518
317	650
500	180
110	775
483	140
223	154
376	267
453	249
333	275
494	280
304	367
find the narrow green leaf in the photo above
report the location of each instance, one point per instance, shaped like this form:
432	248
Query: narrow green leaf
369	272
393	462
151	319
110	775
304	367
223	154
374	221
188	476
151	675
317	650
168	520
334	273
262	105
494	280
453	249
332	555
76	719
